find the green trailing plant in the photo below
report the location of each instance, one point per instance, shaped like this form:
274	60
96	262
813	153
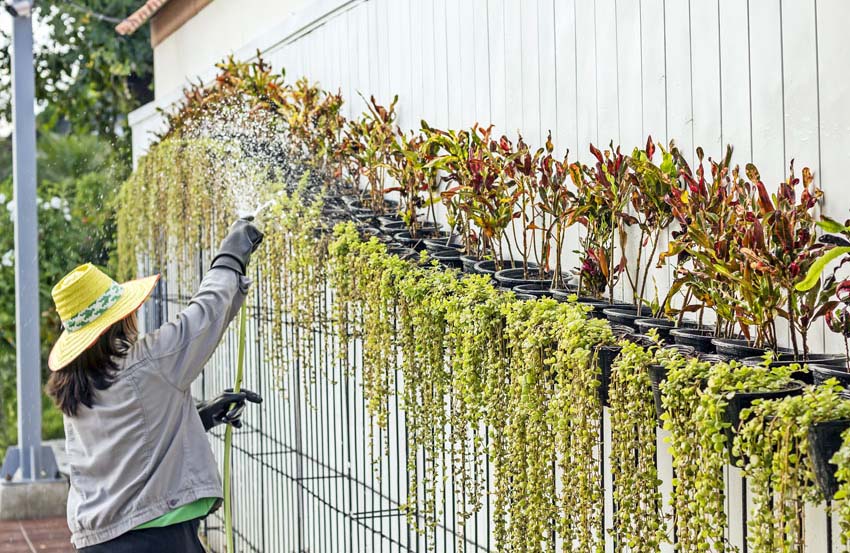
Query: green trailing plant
531	332
474	324
842	497
575	414
773	445
695	396
422	301
638	523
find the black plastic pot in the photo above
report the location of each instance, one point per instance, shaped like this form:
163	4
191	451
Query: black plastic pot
538	290
469	262
822	373
488	266
737	348
424	230
787	359
515	276
662	326
525	297
824	442
713	358
698	338
657	375
744	400
417	242
626	315
605	356
686	351
621	331
403	252
389	219
449	258
433	244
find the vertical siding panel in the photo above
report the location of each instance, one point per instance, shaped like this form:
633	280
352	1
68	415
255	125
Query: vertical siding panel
606	73
834	50
481	60
800	77
529	73
513	65
566	130
547	68
679	102
383	48
705	76
588	123
416	93
357	106
767	90
441	78
427	46
629	75
467	63
654	103
453	46
497	48
735	78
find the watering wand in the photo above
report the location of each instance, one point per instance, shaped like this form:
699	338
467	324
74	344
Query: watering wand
234	253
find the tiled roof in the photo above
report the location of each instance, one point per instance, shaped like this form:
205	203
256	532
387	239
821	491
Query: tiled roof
139	17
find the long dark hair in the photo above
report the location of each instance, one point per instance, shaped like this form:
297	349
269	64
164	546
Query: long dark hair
94	369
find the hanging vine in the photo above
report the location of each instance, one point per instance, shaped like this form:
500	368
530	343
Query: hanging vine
638	523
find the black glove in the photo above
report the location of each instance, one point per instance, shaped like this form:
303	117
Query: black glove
226	408
236	248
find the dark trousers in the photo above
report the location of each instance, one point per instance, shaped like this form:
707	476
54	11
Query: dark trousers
177	538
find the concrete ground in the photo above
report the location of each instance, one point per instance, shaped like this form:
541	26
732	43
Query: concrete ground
50	535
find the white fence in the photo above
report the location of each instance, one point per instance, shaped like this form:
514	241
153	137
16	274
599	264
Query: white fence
768	76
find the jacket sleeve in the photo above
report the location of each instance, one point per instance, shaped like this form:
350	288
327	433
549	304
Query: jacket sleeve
182	347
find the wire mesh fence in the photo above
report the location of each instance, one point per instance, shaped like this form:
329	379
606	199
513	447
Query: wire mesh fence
312	471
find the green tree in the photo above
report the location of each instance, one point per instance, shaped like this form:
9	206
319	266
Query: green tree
78	177
87	75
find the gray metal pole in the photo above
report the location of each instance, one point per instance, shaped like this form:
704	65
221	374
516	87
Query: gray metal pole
27	310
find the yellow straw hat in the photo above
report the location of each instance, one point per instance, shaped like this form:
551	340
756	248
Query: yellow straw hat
89	302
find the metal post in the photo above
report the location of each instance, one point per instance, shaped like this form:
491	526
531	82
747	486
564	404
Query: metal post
34	461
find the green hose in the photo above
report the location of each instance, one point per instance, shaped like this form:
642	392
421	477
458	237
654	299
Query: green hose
228	434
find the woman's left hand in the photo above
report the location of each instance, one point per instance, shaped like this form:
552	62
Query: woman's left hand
226	408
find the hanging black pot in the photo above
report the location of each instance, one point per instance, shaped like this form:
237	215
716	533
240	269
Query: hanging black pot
685	351
824	441
538	290
661	326
698	338
713	357
453	242
525	297
621	331
821	373
605	356
744	400
739	348
627	315
516	275
488	266
469	262
389	219
657	375
416	242
449	258
403	252
787	359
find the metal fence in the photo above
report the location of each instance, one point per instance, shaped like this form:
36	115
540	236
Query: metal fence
310	473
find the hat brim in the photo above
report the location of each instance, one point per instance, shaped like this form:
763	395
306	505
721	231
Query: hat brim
70	345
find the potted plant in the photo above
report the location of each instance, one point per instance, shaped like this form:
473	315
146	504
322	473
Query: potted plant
602	193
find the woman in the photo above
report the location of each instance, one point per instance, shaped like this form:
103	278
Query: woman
142	470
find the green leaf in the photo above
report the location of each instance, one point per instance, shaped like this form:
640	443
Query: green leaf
818	266
832	226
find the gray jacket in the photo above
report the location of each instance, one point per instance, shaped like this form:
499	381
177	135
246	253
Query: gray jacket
141	450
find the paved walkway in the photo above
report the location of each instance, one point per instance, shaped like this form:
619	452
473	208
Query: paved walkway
35	536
